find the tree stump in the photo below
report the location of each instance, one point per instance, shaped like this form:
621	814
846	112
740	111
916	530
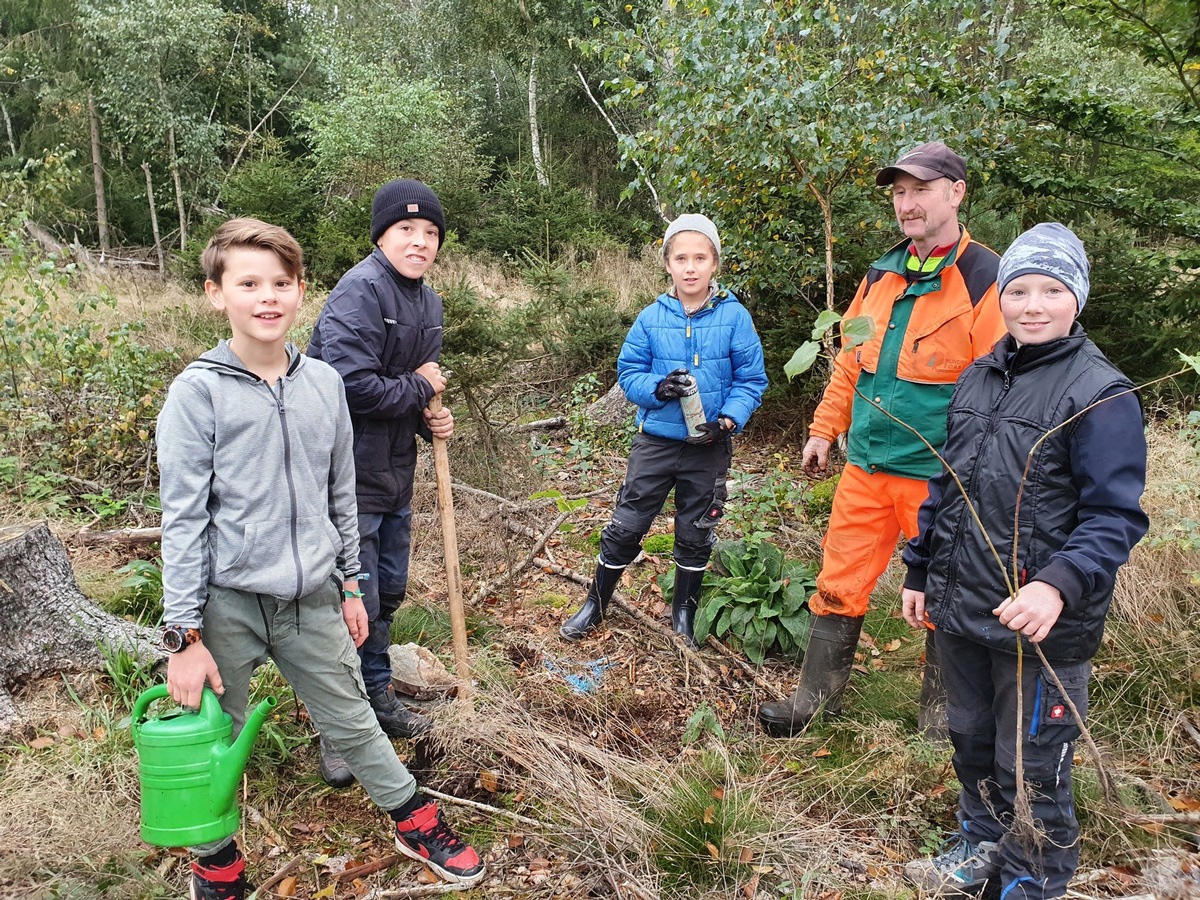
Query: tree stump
47	625
612	409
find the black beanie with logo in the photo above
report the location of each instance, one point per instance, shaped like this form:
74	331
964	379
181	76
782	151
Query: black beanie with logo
405	198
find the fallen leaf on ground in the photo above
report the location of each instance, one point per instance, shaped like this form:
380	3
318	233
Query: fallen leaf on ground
746	857
709	815
750	888
712	850
892	646
488	780
287	887
515	841
41	743
824	751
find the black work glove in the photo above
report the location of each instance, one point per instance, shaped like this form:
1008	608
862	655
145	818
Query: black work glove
711	432
672	387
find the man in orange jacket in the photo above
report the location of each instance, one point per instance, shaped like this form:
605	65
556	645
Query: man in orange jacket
933	302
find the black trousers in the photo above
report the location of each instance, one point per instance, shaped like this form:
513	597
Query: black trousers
981	700
657	465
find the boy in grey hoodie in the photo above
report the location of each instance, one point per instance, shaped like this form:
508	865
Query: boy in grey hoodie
260	542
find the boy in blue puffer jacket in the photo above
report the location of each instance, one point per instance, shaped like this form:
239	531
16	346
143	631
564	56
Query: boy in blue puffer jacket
698	328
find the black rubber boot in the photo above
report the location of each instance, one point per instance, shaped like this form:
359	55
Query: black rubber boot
823	676
683	604
931	719
595	604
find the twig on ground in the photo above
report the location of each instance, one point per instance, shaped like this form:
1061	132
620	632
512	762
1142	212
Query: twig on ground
1191	729
1179	818
483	807
540	425
539	544
132	536
370	868
421	890
747	668
283	873
706	671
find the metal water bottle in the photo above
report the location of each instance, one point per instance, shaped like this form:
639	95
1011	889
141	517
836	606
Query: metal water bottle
693	406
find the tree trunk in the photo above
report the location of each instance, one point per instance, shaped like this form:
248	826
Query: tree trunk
162	265
47	625
535	138
98	180
12	144
179	205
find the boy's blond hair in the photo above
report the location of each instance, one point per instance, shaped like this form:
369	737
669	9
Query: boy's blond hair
254	234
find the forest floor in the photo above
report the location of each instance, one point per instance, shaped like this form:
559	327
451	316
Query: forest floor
619	766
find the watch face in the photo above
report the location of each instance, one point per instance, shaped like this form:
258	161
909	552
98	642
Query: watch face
173	640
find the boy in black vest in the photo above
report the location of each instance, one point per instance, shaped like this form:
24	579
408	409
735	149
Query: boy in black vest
1045	418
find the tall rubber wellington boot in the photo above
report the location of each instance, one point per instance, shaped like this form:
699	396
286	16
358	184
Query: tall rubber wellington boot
931	719
683	604
595	604
823	676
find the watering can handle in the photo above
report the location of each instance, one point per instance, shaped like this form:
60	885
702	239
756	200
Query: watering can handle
157	692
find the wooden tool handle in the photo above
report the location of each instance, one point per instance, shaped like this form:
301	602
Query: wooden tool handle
458	619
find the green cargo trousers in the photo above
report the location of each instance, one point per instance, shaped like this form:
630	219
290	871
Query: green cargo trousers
310	643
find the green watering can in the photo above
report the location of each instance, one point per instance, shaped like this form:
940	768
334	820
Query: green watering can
189	769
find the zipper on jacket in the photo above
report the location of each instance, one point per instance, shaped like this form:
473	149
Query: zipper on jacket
989	433
291	485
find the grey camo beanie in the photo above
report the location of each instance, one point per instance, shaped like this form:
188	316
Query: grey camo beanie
694	222
1047	249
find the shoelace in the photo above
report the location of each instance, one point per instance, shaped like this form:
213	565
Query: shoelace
440	834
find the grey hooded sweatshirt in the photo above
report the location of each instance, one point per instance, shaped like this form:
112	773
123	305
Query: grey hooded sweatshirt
256	482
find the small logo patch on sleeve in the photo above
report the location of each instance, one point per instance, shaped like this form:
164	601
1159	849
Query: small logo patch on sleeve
1058	711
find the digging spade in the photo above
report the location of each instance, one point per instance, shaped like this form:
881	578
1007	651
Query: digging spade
458	621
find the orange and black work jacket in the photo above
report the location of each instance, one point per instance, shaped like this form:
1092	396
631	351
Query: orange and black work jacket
928	327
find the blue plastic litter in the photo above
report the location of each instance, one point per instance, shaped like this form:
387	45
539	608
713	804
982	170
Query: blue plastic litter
582	683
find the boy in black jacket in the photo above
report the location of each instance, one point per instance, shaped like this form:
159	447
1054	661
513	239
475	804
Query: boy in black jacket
1044	389
381	329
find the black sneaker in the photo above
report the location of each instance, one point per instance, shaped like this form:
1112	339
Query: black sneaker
395	718
333	766
963	868
226	883
425	837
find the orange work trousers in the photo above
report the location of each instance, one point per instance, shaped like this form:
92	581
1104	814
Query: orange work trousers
869	513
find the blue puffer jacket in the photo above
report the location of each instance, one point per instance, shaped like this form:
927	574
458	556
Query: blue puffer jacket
718	345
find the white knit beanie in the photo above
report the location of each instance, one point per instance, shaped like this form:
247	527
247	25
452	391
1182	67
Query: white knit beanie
693	222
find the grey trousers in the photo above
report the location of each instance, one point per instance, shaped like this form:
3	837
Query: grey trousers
310	643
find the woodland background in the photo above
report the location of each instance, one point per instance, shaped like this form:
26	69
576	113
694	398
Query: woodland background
559	136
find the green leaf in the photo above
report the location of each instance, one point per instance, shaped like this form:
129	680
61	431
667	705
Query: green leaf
1193	361
826	320
802	360
856	331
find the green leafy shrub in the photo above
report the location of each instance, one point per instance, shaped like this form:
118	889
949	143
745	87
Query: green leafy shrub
755	595
141	592
80	397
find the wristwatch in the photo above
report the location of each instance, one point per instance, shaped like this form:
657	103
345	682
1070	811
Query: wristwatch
176	638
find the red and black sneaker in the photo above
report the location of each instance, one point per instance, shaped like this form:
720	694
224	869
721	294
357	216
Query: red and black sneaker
224	883
427	838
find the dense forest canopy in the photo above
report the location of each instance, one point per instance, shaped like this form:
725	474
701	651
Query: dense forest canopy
548	124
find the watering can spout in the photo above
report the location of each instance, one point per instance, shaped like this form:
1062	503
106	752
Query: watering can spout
229	762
